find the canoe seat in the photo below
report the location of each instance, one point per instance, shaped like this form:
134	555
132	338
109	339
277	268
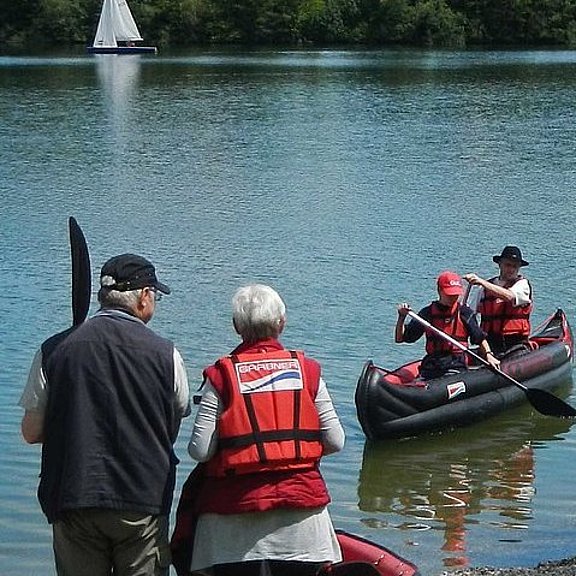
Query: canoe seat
517	350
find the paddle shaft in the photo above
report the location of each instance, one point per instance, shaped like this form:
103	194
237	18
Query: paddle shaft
466	294
465	349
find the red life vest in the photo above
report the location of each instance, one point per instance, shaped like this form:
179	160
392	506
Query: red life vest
449	321
501	317
269	421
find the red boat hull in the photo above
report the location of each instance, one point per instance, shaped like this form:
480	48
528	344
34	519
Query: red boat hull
357	551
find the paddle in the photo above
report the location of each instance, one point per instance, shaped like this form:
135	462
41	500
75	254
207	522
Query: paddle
542	400
81	276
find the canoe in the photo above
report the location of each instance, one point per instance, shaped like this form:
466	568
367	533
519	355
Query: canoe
397	404
361	557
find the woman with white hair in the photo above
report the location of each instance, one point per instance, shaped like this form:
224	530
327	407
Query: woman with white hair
264	421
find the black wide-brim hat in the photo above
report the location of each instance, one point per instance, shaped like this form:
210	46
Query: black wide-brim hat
510	253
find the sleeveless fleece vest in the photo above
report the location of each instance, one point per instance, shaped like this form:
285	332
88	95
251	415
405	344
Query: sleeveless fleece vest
110	421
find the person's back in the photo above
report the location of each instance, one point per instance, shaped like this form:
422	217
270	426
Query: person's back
110	419
106	399
263	423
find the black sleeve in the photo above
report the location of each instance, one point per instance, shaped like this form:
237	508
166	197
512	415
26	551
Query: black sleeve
414	330
474	331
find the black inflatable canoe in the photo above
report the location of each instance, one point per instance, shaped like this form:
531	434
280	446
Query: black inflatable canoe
397	404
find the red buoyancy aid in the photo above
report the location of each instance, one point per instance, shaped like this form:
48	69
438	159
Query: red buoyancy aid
501	317
269	421
449	321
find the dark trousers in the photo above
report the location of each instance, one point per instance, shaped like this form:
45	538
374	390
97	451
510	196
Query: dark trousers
501	344
97	542
436	365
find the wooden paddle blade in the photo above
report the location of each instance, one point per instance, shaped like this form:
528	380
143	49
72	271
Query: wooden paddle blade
81	274
548	404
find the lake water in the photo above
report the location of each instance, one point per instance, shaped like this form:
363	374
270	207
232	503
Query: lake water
345	179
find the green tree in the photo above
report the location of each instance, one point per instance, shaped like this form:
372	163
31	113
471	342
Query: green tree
16	19
388	21
436	24
330	21
61	21
170	22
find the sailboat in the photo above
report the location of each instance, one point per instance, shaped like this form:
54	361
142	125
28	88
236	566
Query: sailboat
117	31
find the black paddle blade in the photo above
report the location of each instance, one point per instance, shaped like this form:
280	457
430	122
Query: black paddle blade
81	275
548	404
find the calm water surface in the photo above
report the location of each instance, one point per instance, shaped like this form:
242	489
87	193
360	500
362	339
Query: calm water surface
347	180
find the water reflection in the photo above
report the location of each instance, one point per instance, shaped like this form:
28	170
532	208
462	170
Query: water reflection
118	76
482	475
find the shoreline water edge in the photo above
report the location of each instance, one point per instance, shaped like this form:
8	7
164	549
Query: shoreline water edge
566	567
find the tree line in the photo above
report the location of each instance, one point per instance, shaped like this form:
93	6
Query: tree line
432	23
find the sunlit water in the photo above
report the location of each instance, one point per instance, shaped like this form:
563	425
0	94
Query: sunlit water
347	180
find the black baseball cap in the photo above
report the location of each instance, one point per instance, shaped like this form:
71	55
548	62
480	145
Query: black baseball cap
130	272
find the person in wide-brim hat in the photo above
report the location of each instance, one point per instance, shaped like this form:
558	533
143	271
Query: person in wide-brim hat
505	301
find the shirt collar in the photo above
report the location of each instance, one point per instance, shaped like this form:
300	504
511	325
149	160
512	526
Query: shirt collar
117	313
266	345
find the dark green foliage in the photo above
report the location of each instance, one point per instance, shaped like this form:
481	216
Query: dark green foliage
168	22
435	24
331	21
60	21
16	18
379	22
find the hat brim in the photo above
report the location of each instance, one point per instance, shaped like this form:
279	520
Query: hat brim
452	291
498	258
162	287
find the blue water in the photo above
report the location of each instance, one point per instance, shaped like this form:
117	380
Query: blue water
345	179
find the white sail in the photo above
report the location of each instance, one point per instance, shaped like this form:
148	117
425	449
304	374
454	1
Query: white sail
126	27
116	24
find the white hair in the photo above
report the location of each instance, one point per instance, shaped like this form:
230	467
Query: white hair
126	300
258	312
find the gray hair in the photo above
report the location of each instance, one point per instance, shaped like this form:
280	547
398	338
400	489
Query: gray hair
258	312
126	300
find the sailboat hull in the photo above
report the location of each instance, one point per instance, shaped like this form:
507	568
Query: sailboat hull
121	49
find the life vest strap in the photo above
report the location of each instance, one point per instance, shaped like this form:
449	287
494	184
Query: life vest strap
260	437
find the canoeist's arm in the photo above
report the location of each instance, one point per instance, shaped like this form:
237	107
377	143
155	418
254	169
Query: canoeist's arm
403	310
478	336
488	355
500	291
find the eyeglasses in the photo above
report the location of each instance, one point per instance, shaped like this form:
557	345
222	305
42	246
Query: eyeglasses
156	292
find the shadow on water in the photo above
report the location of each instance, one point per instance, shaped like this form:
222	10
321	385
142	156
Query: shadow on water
482	475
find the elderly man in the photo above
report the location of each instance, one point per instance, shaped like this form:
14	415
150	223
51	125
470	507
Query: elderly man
504	302
264	422
105	400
